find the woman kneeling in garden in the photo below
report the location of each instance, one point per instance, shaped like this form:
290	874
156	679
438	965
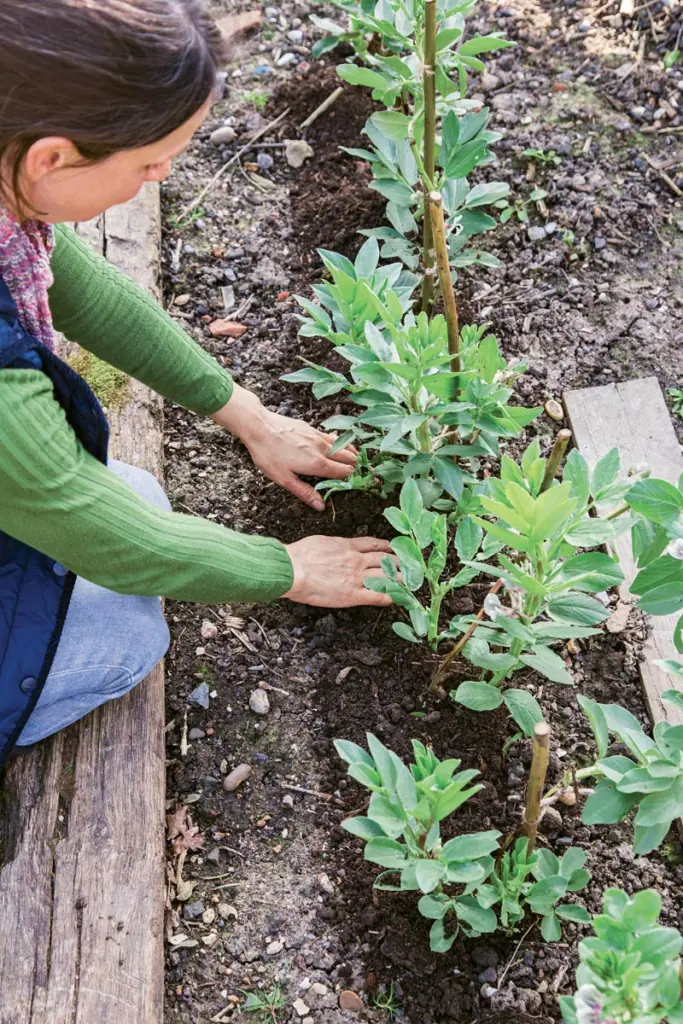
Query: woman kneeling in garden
95	100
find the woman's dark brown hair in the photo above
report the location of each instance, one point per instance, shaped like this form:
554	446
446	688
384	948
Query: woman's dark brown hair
107	74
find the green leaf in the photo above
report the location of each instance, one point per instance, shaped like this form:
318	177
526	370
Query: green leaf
483	44
364	828
434	907
606	805
593	712
398	519
605	472
648	838
572	912
391	123
354	75
448	474
657	500
478	696
548	664
664	600
452	798
468	538
482	919
507	537
439	942
577	608
367	259
674	697
465	158
403	630
352	753
386	852
471	847
658	945
387	815
595	571
411	501
429	873
661	807
590	531
411	561
576	471
486	193
524	708
643	910
551	929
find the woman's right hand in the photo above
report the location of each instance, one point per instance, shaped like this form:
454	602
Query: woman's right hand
329	571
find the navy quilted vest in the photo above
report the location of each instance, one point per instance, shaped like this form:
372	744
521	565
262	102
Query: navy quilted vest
34	589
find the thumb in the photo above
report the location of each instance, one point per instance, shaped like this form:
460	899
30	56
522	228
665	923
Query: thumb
304	492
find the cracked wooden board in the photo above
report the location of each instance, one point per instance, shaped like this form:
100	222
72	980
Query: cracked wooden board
634	418
82	816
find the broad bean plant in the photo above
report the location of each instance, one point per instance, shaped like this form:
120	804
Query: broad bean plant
630	967
464	888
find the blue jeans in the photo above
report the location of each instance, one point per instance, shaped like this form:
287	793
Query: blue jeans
109	643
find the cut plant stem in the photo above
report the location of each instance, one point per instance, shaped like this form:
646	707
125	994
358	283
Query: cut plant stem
539	768
447	290
555	458
429	148
442	670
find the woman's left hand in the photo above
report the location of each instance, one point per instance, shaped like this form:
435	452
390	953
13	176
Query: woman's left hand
283	448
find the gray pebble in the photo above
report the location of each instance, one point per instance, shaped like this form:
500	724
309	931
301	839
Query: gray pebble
490	975
295	36
192	911
265	161
200	695
214	856
535	233
259	703
196	734
221	136
487	991
285	59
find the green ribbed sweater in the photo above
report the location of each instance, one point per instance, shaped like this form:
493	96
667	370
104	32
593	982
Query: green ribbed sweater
57	498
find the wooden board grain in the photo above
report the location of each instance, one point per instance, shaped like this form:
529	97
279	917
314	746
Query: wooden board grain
634	418
81	817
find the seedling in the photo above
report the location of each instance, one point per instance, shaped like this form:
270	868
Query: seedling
630	968
256	98
670	59
520	208
543	156
650	779
402	835
386	1001
265	1004
676	396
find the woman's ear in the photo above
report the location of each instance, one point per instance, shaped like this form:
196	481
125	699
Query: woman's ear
46	155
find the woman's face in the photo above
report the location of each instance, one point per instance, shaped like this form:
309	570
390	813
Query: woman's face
57	182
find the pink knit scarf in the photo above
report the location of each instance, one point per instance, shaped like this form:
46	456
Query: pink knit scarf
25	250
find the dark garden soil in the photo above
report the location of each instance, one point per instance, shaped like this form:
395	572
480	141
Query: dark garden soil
282	895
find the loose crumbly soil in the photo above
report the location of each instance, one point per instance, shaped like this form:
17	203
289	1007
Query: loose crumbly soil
292	896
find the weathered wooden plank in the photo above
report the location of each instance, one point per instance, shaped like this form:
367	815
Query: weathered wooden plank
633	417
81	817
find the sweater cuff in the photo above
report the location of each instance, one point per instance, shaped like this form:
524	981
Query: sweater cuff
279	578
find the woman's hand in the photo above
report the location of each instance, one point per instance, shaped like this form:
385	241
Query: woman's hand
283	448
329	571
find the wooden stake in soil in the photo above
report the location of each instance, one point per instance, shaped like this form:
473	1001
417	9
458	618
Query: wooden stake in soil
539	768
555	458
448	292
442	670
429	158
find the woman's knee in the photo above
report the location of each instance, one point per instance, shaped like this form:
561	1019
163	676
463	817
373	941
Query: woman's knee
143	483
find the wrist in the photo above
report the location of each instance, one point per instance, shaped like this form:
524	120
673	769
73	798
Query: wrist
243	415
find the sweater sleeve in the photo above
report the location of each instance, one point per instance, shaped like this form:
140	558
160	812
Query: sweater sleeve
98	307
57	498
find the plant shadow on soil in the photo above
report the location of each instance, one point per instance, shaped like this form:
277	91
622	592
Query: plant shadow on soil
346	672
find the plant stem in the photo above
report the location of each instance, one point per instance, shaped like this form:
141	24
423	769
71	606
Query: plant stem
448	292
620	511
442	670
539	768
429	144
555	458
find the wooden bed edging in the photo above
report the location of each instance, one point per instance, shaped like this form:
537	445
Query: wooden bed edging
82	816
633	417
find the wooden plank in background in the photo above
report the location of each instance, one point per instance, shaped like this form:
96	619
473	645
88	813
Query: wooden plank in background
634	418
81	817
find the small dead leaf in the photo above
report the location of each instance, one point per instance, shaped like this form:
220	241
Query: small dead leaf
190	841
184	890
618	620
345	673
176	823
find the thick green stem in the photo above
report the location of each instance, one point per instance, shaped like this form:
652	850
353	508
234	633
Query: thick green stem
438	594
429	147
555	458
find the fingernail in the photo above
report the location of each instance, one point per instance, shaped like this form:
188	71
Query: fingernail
319	506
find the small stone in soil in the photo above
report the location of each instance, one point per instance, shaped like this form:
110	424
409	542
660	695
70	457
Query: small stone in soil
209	630
319	989
265	161
259	703
223	135
236	777
193	911
227	329
535	233
490	975
288	801
200	696
297	151
295	36
300	1007
196	734
484	956
350	1001
325	883
214	856
487	991
554	410
273	948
